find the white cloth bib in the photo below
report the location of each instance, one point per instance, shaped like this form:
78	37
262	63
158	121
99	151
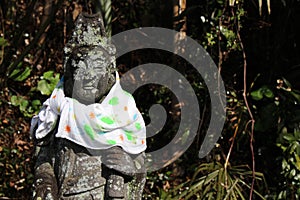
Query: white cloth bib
114	122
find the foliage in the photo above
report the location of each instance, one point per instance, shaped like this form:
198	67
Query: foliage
217	182
290	145
18	75
235	33
278	110
48	82
45	86
289	142
15	151
25	54
262	92
27	109
3	42
15	167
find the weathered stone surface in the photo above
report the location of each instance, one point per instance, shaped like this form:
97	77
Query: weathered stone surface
68	171
65	170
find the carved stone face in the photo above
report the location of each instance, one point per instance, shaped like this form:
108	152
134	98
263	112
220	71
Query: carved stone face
89	74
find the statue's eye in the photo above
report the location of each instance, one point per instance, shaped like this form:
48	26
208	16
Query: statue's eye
78	75
91	73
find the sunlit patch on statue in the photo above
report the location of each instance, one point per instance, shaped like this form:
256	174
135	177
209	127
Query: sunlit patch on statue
85	127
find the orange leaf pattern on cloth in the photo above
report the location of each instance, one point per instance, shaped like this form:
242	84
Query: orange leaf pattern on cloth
114	122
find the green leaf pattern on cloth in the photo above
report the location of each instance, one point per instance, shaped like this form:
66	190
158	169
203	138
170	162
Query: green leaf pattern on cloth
107	120
114	101
115	121
138	126
112	142
89	130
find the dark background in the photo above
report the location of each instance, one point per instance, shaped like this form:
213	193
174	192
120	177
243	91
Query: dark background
254	48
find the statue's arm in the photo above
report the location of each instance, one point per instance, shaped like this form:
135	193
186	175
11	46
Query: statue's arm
126	173
45	183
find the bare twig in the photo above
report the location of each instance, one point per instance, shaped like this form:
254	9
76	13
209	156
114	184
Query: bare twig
248	109
48	7
220	58
230	149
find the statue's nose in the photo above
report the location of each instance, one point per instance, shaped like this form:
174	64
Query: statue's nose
95	83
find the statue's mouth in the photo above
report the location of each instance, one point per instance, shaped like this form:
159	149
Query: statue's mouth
88	87
90	84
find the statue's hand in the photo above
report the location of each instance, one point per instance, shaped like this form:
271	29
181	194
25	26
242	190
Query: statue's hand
45	186
42	193
115	158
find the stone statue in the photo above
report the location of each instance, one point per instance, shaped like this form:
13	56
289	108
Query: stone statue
66	169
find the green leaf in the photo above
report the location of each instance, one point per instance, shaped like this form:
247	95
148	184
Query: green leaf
48	75
268	93
261	92
257	94
56	79
289	137
14	73
17	75
297	96
287	82
36	102
44	87
298	150
284	164
36	105
30	109
23	104
14	100
48	82
3	42
297	164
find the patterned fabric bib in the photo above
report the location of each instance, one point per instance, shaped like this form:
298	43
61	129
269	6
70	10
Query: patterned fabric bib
114	122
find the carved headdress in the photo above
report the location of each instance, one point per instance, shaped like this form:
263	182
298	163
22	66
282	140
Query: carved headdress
89	59
89	32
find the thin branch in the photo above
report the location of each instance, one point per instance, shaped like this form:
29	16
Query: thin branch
48	7
220	58
231	147
248	109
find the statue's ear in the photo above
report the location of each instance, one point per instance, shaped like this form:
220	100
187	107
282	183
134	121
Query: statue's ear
111	81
